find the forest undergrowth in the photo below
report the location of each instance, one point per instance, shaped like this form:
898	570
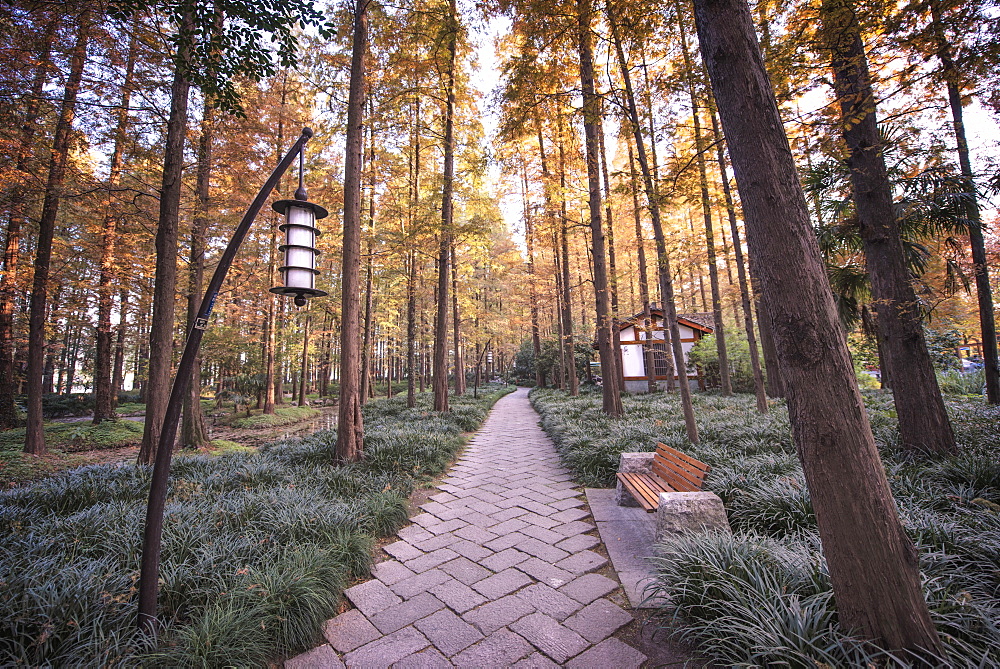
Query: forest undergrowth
257	547
763	596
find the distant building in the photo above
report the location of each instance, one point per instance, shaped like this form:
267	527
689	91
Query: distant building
633	333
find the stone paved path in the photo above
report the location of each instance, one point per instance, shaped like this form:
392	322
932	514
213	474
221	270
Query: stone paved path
496	572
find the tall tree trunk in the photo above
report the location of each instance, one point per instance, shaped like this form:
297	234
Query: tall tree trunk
161	330
706	210
447	211
529	234
456	323
649	363
272	384
987	321
350	428
873	564
923	420
741	273
34	441
663	260
612	399
366	346
411	275
193	431
572	383
16	220
616	339
103	391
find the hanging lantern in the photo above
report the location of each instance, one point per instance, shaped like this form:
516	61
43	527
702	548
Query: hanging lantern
299	271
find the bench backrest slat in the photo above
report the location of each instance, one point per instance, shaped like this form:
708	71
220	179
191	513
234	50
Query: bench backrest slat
680	471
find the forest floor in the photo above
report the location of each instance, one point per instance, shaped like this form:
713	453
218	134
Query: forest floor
16	468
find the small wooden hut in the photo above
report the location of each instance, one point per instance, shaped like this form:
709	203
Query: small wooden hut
633	335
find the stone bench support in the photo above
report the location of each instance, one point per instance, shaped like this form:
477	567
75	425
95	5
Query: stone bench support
627	464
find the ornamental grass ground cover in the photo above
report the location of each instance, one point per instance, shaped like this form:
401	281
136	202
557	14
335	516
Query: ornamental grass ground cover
763	597
257	547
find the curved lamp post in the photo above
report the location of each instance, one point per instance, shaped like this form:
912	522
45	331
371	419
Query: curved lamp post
299	275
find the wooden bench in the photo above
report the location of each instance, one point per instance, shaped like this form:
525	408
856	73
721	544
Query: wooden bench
672	471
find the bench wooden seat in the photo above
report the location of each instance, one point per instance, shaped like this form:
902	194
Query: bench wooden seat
672	471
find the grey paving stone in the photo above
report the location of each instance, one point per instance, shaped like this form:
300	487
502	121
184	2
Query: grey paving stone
443	497
539	497
578	543
506	541
402	550
467	549
542	534
507	514
487	508
479	519
546	573
542	550
465	570
550	602
588	587
413	532
539	520
582	562
388	650
568	503
501	649
536	661
435	508
430	560
390	572
609	653
401	615
598	620
321	657
574	527
508	526
425	519
488	496
349	630
500	613
570	515
436	542
457	595
502	583
446	526
449	633
430	658
420	583
476	535
537	508
504	559
371	597
548	636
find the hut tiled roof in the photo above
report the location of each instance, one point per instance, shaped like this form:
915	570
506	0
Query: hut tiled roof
704	318
704	321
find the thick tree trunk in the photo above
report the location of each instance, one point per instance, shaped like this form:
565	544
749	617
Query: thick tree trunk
663	260
447	212
923	420
161	330
529	235
34	441
272	382
873	565
612	399
572	383
16	220
103	391
616	339
350	428
193	431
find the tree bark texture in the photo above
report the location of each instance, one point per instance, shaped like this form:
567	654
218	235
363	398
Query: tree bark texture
612	399
873	564
923	420
34	441
161	330
456	323
350	427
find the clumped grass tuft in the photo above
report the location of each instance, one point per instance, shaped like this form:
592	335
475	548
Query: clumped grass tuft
257	546
81	436
763	597
281	416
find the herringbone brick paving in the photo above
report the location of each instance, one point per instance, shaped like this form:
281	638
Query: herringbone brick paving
496	571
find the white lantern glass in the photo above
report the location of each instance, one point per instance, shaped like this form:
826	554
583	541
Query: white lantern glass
299	271
300	257
299	278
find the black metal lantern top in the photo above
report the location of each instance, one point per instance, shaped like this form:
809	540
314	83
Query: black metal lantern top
299	271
